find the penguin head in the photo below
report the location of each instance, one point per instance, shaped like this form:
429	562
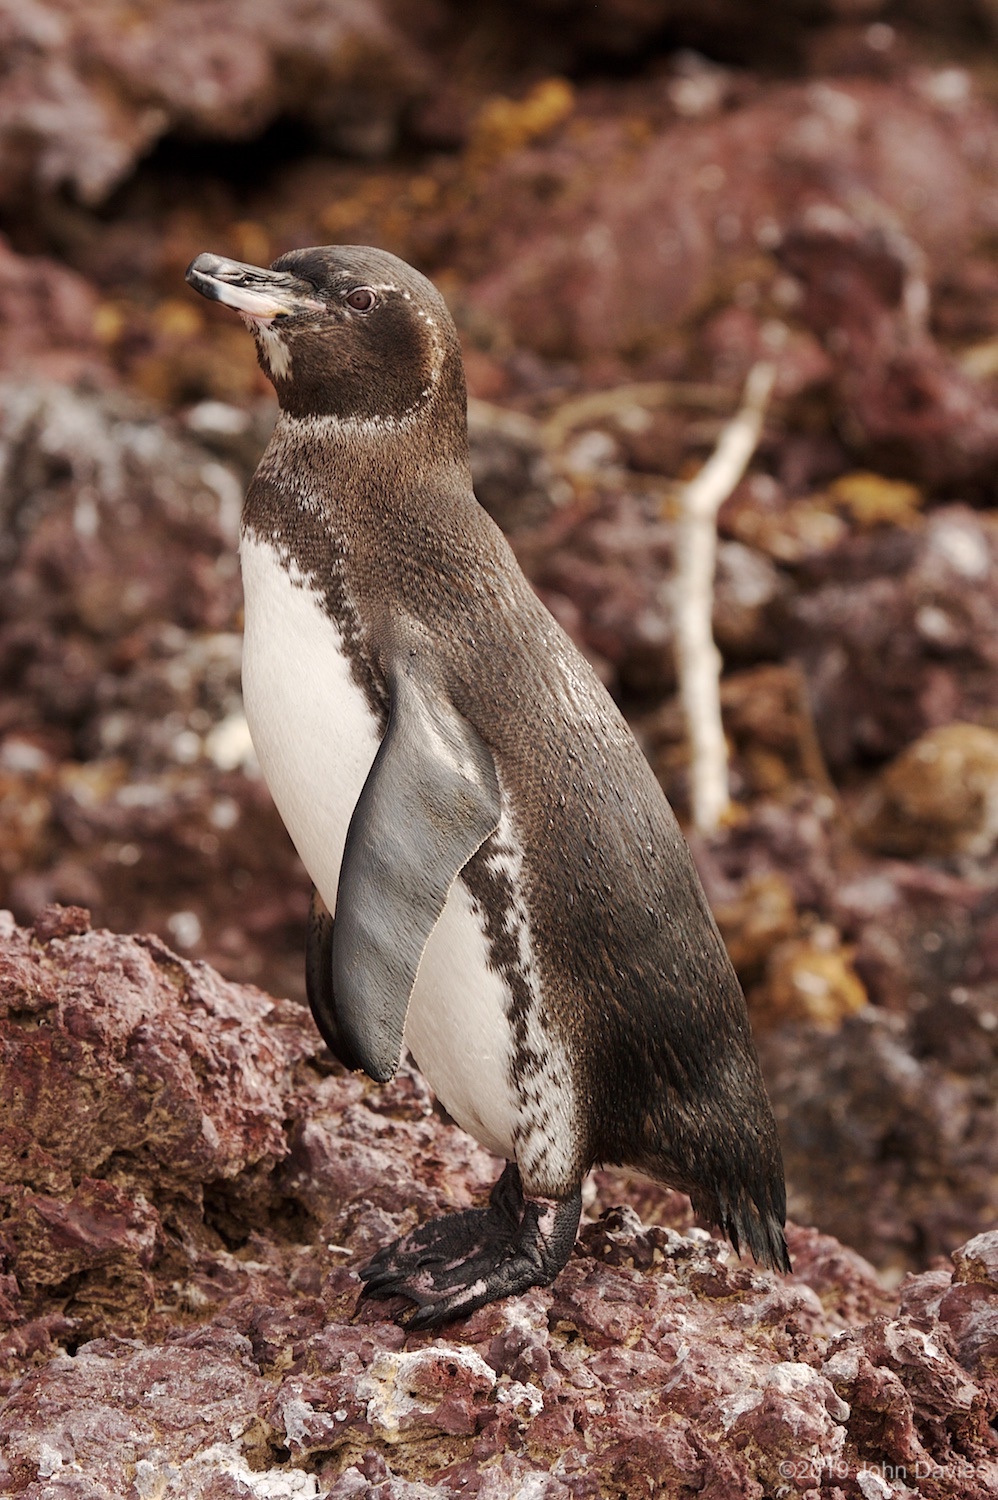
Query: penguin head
345	331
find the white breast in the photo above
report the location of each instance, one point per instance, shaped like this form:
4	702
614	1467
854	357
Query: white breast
316	738
313	730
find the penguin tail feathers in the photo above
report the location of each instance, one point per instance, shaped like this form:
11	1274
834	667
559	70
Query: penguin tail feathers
749	1223
732	1168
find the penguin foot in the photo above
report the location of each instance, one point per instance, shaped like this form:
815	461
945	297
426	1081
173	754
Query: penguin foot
451	1266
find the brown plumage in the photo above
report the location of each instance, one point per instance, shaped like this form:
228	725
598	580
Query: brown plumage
548	822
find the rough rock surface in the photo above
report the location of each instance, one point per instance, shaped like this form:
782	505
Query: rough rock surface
668	206
88	89
126	775
48	315
898	632
939	797
189	1184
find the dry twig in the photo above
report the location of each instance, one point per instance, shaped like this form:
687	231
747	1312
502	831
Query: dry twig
698	661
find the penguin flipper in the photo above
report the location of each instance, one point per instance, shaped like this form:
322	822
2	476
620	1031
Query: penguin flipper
319	982
429	803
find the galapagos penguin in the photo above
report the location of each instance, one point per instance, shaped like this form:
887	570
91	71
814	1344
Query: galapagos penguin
500	883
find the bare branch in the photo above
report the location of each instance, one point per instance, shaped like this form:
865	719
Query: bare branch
698	661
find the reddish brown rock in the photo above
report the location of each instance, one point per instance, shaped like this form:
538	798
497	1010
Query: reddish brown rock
130	1082
48	320
911	405
968	1308
625	236
193	1134
939	797
127	782
604	564
89	89
898	631
883	1146
179	1418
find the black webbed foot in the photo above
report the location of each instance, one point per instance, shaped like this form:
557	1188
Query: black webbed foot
453	1265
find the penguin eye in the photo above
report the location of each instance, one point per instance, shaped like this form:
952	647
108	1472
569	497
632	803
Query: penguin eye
362	299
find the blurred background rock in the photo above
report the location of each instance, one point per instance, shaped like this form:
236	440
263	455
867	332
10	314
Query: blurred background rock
626	206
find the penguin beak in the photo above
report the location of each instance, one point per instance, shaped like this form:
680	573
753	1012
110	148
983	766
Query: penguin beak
251	290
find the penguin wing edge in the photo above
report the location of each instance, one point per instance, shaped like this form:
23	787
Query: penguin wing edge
429	803
319	981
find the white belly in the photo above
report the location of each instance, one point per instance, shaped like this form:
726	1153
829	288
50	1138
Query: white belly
313	730
316	738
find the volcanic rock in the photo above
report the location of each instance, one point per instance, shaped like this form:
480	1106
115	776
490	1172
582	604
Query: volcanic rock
87	90
885	1146
212	1179
127	779
48	320
619	234
939	797
897	629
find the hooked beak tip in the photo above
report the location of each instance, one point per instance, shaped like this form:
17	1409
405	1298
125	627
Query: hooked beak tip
251	290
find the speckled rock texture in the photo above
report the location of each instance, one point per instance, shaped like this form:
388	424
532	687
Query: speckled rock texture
89	88
888	1110
189	1183
48	316
127	777
908	624
938	797
629	228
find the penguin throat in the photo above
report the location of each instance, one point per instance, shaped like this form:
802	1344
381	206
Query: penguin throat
354	448
274	350
377	424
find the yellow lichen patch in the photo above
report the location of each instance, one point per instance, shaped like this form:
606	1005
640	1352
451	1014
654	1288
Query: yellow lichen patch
505	125
25	815
359	211
767	714
219	365
980	361
423	191
763	914
177	319
250	242
939	797
871	500
809	978
345	214
109	322
805	529
89	783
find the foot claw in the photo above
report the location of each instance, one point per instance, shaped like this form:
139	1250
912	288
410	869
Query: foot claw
451	1266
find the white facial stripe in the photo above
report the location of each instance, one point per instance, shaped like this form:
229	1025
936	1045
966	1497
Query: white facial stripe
439	351
272	346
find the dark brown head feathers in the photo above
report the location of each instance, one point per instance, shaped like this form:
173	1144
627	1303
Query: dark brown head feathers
346	331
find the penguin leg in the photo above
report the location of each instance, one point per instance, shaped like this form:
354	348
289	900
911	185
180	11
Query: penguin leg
453	1265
